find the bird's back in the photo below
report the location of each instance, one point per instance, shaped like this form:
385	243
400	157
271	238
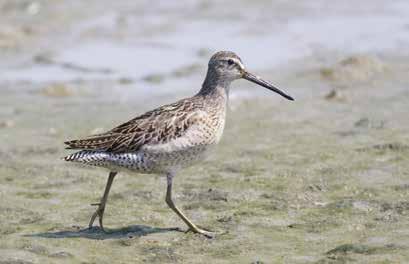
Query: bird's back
174	135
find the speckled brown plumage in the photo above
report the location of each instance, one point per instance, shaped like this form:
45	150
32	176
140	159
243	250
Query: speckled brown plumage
158	126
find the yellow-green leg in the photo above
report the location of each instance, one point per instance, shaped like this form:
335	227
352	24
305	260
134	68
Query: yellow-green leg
171	204
101	205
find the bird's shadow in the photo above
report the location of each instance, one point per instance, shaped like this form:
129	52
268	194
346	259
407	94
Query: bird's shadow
98	234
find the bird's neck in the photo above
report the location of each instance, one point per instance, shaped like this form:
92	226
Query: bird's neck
215	86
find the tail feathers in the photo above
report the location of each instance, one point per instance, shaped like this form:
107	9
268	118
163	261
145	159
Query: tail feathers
87	156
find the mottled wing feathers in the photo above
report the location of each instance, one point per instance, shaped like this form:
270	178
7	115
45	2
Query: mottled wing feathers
92	143
158	126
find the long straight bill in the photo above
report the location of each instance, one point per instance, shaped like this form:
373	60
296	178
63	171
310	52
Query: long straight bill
255	79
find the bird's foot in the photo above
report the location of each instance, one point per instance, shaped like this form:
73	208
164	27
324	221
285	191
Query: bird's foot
206	233
98	213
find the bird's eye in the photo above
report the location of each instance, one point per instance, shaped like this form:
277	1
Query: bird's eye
230	62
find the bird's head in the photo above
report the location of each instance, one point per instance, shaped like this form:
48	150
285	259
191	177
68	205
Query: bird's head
226	65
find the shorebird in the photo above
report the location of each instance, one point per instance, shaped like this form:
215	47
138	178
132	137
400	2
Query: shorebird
169	138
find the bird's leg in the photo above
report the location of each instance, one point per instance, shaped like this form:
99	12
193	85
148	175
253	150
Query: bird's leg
171	204
101	205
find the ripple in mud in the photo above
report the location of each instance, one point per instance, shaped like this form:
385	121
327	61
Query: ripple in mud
36	249
159	254
369	124
61	254
363	249
275	202
35	195
15	216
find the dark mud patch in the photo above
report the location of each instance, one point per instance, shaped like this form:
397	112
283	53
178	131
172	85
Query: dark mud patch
315	226
343	254
394	146
401	207
363	249
402	187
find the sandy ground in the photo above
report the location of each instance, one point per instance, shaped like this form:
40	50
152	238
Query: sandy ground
324	179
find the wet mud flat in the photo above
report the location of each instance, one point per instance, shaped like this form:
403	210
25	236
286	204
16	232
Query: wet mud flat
321	180
324	179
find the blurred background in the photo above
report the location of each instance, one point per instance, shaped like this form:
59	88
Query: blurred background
324	179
